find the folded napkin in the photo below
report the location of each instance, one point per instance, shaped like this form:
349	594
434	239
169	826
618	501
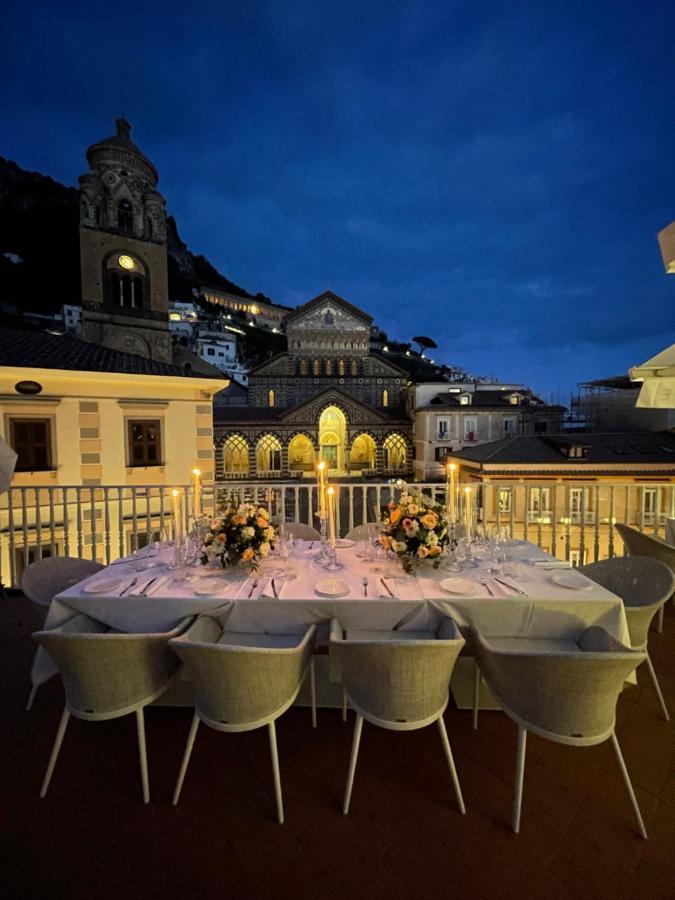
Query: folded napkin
551	563
267	592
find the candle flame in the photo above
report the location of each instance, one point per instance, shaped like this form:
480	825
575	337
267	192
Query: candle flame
467	490
196	471
175	492
331	491
322	465
452	466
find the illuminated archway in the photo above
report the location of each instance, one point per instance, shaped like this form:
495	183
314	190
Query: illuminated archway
268	454
362	453
333	437
301	454
235	455
395	452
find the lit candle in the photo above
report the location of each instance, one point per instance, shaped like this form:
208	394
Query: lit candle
321	487
331	515
451	491
196	493
177	515
468	510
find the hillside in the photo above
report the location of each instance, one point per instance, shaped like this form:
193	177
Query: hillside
40	254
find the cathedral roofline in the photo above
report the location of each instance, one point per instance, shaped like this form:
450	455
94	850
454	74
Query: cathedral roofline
121	141
334	298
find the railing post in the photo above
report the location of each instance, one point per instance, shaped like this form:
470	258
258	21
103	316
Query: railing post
10	528
610	546
106	524
66	523
597	523
78	498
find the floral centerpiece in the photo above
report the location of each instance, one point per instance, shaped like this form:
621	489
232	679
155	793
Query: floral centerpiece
242	534
415	528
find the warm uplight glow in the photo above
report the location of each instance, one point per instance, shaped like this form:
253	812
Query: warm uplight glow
196	471
126	262
322	466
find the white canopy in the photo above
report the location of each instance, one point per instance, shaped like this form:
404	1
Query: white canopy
658	377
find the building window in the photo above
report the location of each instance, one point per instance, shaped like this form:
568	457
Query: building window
354	368
649	504
395	452
316	368
442	429
268	454
470	428
540	503
385	397
31	439
578	557
145	448
304	368
329	367
441	453
510	426
210	351
125	281
465	399
125	217
341	367
270	398
235	455
504	500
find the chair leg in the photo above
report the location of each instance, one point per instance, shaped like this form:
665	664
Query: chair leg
275	772
344	705
312	690
520	775
451	764
476	694
657	688
142	754
61	730
31	697
356	740
659	624
629	786
186	757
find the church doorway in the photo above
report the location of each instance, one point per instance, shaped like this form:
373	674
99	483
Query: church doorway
332	438
362	453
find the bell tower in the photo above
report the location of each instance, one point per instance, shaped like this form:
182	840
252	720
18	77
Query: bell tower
123	250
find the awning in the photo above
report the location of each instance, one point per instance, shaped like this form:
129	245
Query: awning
658	377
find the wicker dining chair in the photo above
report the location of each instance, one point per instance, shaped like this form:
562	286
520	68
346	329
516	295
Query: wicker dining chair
644	585
396	682
639	544
299	531
565	691
107	674
45	578
242	682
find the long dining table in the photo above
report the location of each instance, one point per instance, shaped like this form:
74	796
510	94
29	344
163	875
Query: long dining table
539	599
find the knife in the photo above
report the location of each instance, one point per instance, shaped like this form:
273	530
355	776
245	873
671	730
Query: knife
128	587
387	589
513	587
274	590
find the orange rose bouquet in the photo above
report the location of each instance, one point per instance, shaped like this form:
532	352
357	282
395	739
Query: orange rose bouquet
243	534
414	528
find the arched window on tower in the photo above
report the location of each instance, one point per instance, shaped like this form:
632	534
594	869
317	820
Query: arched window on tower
341	367
316	367
329	367
125	282
385	397
304	367
354	368
125	217
270	398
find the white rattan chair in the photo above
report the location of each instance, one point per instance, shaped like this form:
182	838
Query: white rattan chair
639	544
45	578
299	531
644	585
565	691
242	682
107	674
399	681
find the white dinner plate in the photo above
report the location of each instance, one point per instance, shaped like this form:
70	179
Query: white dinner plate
463	586
104	586
332	587
516	542
208	589
572	580
345	543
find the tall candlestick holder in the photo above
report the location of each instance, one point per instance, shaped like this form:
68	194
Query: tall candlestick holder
323	557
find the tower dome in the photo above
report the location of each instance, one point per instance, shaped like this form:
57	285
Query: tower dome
120	148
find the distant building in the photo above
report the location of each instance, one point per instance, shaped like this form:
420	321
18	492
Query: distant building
609	404
327	397
72	318
255	309
451	416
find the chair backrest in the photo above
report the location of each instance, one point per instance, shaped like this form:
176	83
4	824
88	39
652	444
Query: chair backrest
639	544
45	578
567	696
398	681
643	583
361	532
300	531
105	671
238	685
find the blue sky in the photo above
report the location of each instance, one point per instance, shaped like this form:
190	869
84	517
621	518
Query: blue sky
490	174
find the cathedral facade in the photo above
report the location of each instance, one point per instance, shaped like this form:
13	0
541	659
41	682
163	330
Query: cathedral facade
328	397
123	255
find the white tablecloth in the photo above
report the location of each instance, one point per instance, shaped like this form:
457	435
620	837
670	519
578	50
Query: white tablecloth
548	611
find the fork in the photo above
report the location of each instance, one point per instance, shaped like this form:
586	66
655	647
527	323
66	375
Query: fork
364	582
253	587
486	585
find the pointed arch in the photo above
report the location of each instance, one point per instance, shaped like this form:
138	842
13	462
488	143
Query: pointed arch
235	455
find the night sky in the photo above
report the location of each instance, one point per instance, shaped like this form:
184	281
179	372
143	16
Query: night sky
490	174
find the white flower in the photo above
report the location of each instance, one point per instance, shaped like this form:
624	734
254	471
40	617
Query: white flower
413	509
247	532
269	534
399	546
432	538
264	549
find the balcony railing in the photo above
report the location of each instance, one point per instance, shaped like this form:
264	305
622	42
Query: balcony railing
106	522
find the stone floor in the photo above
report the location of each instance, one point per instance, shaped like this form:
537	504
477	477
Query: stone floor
93	838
